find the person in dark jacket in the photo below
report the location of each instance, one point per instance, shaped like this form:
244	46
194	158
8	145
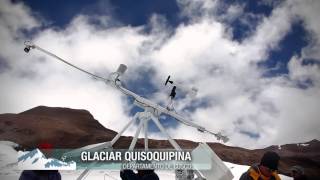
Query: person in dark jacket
266	170
297	172
40	175
147	174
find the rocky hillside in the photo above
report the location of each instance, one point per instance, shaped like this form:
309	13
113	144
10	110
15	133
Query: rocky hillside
70	128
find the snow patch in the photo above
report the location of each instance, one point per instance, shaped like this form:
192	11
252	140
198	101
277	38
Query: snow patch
305	145
8	154
9	143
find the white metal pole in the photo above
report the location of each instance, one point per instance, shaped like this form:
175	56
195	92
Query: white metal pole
82	175
115	139
172	142
145	128
86	171
135	138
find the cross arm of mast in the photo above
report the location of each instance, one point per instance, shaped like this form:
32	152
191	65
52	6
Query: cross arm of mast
183	120
34	46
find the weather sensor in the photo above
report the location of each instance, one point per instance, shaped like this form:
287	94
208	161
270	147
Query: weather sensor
152	110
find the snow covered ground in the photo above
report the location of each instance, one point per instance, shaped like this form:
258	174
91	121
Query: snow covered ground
9	169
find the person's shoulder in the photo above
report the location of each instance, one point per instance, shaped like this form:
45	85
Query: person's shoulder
152	176
27	175
54	175
245	176
127	173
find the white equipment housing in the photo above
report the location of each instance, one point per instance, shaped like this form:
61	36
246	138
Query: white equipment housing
218	170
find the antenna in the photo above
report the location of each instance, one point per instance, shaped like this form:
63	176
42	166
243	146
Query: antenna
152	111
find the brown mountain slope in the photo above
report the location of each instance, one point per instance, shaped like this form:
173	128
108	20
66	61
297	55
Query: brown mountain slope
65	128
70	128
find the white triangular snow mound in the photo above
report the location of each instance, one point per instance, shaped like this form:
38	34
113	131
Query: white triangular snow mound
8	154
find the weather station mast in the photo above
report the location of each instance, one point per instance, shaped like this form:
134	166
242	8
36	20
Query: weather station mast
151	112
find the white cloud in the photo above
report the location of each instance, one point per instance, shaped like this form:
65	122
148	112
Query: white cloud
308	12
201	53
15	16
226	74
36	79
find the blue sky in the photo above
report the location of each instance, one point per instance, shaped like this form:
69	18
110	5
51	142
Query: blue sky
254	62
137	13
128	12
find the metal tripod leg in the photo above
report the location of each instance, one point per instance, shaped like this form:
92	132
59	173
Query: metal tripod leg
85	172
115	139
135	138
172	142
145	129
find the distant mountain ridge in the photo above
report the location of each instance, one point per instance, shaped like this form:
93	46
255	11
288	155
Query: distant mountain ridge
72	128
